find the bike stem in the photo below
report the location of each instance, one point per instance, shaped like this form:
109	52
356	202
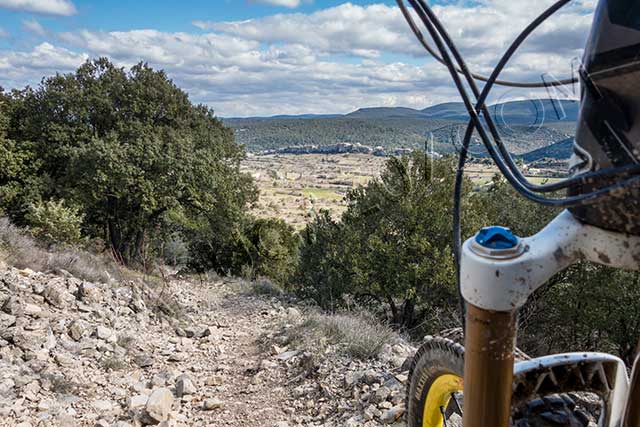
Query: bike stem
499	272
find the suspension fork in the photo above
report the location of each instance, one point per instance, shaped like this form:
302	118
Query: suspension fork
488	368
490	335
632	410
499	272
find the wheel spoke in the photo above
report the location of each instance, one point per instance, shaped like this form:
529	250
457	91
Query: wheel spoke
444	416
455	400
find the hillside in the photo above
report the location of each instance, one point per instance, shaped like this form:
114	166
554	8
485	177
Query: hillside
560	150
526	125
513	112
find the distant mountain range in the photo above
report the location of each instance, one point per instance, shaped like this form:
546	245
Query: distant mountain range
522	112
529	125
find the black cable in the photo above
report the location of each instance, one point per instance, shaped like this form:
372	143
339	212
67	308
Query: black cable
428	48
430	21
421	9
474	122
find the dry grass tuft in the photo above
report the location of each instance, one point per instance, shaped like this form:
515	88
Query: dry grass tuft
265	287
359	335
21	250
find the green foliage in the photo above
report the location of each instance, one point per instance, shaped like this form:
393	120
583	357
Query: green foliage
392	250
269	247
131	151
392	244
174	250
389	132
54	222
265	134
586	307
323	268
501	204
19	184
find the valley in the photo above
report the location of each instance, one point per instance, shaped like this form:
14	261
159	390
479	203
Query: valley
525	126
303	164
295	187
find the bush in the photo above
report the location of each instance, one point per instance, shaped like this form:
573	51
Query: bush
392	244
53	222
391	249
175	251
130	150
267	248
265	287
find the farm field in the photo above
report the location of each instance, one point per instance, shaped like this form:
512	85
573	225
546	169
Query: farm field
296	186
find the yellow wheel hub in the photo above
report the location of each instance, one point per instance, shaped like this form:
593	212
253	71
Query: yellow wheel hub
438	397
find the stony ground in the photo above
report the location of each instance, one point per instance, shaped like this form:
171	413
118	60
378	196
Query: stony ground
190	353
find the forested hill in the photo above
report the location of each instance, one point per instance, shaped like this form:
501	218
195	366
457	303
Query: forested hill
527	125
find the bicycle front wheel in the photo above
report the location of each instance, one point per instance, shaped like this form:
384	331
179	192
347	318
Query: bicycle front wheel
435	393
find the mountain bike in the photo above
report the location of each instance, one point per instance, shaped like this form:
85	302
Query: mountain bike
481	384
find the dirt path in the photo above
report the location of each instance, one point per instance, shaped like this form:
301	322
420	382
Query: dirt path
250	397
100	359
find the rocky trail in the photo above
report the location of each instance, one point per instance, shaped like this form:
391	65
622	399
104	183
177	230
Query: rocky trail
183	353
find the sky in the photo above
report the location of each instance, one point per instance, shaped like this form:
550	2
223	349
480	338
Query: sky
269	57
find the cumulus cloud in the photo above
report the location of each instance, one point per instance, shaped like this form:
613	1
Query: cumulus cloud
481	31
33	26
242	77
3	33
349	29
46	7
333	60
45	59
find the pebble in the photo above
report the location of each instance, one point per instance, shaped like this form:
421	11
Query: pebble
185	385
74	349
211	404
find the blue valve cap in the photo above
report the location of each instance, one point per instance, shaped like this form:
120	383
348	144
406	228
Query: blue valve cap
497	238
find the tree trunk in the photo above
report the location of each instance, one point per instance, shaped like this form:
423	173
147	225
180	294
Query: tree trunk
138	254
408	313
115	239
394	311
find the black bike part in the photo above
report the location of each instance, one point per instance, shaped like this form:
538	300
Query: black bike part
440	356
550	411
436	357
609	125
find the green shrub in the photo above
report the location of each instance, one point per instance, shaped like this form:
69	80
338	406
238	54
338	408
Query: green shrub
392	245
175	250
266	248
131	150
53	222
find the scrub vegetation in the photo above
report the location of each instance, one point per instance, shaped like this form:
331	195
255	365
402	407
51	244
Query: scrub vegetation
110	167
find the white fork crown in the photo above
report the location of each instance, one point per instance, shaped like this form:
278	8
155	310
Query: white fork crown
500	283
